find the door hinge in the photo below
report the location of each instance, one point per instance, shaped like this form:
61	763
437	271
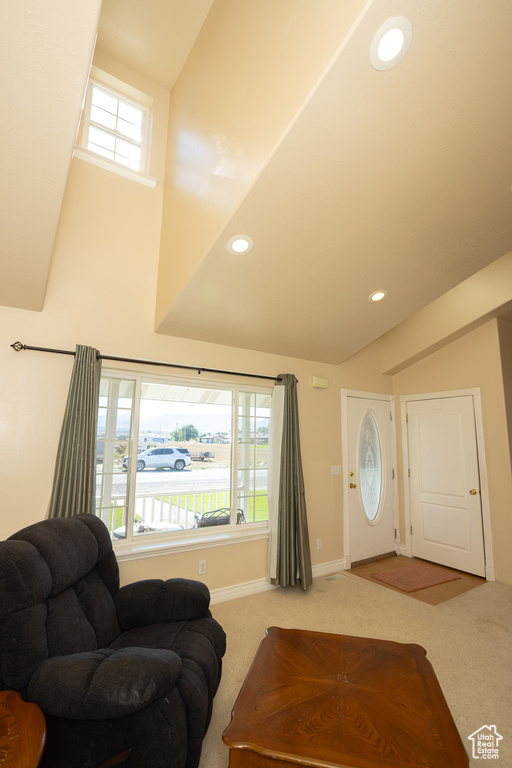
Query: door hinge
408	473
411	528
395	534
391	416
406	417
392	474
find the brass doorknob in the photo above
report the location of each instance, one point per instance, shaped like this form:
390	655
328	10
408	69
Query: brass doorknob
473	492
353	485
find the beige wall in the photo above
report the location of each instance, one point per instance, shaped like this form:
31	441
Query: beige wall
475	361
102	293
505	334
470	304
480	358
362	372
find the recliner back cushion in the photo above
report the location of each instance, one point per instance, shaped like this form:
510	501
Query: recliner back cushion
68	547
23	645
55	597
25	584
82	618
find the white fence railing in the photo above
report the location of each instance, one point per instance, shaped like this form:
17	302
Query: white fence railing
178	509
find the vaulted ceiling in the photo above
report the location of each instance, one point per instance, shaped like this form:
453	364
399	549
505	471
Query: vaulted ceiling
45	55
397	180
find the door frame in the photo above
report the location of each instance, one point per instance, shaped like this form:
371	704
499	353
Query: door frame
345	394
406	548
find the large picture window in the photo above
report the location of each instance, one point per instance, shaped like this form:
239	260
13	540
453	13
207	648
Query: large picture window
176	456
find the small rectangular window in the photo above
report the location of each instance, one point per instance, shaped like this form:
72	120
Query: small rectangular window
116	127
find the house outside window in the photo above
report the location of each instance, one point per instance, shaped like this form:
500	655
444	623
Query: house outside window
180	487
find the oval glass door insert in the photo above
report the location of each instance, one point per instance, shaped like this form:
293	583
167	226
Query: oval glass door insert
370	467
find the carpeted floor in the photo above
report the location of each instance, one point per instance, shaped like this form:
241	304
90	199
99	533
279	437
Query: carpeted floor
468	640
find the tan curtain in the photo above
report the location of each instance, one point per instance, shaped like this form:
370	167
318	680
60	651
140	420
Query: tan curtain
293	557
75	468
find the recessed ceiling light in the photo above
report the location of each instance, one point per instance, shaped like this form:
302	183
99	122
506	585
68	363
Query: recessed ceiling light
390	43
240	244
377	296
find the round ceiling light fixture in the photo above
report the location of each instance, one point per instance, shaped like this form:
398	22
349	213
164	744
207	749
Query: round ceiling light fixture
377	295
390	43
240	245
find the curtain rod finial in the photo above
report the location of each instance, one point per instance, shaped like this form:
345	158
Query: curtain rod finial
18	346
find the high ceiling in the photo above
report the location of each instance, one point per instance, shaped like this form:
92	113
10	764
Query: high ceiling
152	38
398	180
45	54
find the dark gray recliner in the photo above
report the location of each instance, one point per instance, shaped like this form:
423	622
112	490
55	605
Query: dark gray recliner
112	669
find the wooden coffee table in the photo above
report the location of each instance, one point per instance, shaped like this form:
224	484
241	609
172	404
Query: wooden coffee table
335	701
22	731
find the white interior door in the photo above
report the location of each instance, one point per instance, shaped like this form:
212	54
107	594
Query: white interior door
368	468
446	511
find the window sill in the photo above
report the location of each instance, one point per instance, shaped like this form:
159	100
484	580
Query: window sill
153	546
102	162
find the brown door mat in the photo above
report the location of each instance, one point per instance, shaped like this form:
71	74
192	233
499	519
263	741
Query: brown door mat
432	595
418	575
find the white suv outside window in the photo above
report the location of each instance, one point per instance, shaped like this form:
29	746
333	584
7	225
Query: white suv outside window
175	458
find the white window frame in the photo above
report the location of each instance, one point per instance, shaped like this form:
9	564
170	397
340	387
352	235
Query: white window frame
128	95
134	547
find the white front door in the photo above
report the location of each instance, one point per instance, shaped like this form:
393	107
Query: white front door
368	476
446	511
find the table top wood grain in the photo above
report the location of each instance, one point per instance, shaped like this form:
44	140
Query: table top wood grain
338	701
22	731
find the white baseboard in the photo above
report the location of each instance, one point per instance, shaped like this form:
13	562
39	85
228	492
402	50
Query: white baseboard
405	549
246	588
240	590
325	569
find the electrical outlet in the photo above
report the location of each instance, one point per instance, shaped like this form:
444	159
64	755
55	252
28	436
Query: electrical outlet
202	567
319	543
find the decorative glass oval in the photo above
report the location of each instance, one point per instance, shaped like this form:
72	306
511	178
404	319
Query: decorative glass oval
370	467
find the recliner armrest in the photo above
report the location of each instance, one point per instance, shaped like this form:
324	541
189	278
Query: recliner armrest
102	684
154	601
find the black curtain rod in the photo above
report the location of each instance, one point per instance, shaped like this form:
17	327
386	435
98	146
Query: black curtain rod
18	346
